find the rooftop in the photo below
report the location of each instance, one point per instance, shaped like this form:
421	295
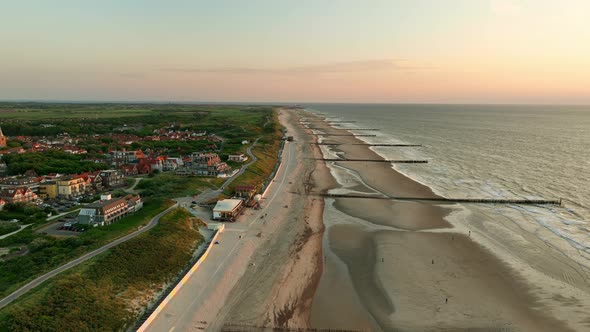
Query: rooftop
227	204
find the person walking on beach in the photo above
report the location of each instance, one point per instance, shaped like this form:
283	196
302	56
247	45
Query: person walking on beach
446	300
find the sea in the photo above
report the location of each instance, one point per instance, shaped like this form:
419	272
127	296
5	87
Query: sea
492	151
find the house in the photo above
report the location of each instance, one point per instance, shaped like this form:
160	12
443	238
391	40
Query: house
126	157
14	182
157	163
205	158
246	192
95	181
228	209
129	169
143	168
134	203
171	164
205	164
48	189
70	188
237	157
111	178
18	195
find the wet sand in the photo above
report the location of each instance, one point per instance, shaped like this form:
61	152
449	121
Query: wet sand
401	266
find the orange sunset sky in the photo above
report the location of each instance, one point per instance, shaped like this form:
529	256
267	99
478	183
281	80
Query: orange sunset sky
394	51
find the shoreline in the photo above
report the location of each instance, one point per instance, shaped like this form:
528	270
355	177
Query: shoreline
514	303
278	288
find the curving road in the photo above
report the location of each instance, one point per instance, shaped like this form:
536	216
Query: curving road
253	159
153	222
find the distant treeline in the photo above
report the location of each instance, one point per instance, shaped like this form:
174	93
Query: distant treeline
52	161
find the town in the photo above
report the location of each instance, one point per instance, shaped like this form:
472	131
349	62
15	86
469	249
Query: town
108	175
62	191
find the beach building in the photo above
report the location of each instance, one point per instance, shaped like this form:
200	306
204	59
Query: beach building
109	210
246	192
228	209
237	157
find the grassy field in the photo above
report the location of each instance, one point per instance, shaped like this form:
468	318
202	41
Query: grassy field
47	253
267	153
169	185
108	292
59	114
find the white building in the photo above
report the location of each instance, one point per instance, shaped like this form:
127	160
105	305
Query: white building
228	209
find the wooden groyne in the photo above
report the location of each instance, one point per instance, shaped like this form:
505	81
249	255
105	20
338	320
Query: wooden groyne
450	200
365	144
376	160
348	135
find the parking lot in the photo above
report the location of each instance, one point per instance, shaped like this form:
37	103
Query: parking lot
58	229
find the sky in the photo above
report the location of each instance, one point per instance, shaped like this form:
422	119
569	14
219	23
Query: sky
347	51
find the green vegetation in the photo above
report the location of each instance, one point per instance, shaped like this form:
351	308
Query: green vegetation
47	252
25	213
169	185
6	228
266	150
108	292
52	161
47	111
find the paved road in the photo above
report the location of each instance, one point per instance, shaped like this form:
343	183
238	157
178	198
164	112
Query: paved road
81	259
62	214
253	159
201	294
9	234
131	190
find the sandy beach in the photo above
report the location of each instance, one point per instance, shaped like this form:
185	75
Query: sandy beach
410	269
379	265
278	287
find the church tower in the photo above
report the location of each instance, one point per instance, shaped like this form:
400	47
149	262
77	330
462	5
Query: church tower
2	139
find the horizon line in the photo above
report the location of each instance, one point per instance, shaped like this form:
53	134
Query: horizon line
286	103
